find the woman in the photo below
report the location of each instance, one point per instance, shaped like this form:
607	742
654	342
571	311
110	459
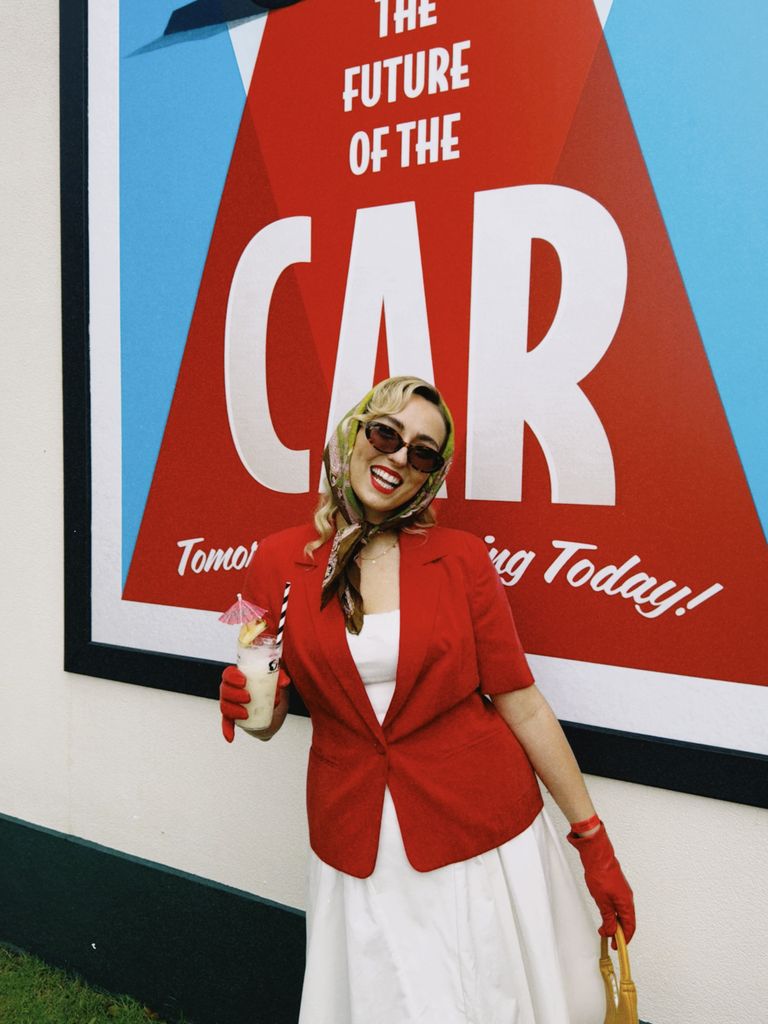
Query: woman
437	889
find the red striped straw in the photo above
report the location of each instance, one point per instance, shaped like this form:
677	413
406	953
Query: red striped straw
283	612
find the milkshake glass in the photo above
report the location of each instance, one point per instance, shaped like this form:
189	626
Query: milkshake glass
259	662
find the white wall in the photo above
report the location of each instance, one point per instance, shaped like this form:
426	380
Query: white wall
147	772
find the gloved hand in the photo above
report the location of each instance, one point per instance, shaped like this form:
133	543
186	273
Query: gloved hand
233	696
606	882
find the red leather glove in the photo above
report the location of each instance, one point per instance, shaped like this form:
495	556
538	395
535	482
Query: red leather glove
606	882
233	696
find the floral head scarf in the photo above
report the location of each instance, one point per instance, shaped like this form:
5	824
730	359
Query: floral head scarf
342	576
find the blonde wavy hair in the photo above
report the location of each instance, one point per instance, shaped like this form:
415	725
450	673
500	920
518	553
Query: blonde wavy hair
388	398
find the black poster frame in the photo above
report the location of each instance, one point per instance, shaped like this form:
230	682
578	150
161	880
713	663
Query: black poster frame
675	765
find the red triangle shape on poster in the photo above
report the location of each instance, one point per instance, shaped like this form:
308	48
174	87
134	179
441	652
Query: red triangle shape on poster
543	106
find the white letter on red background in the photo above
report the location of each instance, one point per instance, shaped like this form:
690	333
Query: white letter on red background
266	256
509	386
384	275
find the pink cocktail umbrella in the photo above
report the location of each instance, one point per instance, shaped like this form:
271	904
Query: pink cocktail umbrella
242	611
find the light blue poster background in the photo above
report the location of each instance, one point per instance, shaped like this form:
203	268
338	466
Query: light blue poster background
180	109
695	78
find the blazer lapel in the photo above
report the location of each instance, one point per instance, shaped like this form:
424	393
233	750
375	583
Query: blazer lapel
420	584
330	630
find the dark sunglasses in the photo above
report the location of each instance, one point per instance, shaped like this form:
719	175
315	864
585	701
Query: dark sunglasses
387	440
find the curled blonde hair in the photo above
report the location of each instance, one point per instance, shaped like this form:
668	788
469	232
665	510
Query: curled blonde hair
388	398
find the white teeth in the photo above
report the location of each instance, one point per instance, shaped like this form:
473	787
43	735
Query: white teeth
385	477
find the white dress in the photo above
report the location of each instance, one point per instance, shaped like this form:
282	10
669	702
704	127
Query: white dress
502	938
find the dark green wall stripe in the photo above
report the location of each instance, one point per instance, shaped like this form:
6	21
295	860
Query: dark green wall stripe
177	942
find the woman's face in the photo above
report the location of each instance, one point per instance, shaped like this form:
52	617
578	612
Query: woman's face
385	482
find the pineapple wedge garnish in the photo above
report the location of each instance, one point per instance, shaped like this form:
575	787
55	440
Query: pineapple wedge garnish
250	630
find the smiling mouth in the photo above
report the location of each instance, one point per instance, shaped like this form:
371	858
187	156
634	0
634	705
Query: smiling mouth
385	480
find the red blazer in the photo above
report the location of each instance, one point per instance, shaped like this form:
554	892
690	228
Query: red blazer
460	781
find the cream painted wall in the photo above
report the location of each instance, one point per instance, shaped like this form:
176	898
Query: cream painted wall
147	772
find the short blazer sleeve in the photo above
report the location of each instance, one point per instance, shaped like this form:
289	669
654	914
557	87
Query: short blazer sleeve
500	658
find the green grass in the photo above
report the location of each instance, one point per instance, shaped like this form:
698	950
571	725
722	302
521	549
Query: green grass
31	992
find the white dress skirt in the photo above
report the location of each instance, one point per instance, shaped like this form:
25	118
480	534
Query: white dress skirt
501	938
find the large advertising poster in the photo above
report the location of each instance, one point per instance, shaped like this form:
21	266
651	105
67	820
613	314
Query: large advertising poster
552	210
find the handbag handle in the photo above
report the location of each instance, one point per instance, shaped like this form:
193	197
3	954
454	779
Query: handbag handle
621	999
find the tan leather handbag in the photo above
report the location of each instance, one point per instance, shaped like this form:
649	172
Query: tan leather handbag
621	998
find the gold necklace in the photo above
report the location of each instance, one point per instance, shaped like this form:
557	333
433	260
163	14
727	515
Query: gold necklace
381	554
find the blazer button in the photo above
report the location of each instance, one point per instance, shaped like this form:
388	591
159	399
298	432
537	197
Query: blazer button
380	749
